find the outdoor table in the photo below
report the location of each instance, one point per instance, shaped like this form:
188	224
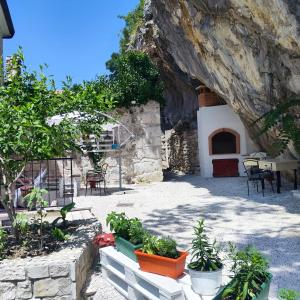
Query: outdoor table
278	165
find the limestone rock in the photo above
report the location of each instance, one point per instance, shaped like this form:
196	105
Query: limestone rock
59	270
245	51
37	272
12	274
7	291
24	290
52	287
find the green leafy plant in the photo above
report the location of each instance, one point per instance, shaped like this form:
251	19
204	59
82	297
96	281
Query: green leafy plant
3	239
287	294
22	223
36	199
166	247
250	271
282	118
129	229
59	234
205	255
136	232
63	212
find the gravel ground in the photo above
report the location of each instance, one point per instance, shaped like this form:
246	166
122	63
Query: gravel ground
271	223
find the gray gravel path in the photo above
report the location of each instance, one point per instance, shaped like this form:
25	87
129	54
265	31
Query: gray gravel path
271	223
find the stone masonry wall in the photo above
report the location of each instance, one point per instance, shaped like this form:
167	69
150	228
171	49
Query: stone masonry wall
180	151
59	275
141	158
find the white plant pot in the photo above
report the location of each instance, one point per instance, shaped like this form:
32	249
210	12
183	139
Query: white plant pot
206	283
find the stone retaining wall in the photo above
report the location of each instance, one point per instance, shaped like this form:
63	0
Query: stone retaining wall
59	275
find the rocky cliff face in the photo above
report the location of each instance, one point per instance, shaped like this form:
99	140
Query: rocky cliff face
247	51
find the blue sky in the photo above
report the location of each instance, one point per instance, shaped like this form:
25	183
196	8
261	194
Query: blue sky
74	37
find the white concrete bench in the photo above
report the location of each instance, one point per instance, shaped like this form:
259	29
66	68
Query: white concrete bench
124	274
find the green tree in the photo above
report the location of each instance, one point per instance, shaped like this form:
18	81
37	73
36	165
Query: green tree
134	77
27	101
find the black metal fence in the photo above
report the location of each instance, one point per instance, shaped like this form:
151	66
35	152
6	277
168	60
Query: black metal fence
54	175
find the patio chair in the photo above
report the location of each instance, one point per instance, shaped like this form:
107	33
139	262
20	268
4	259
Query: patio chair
93	180
256	175
102	176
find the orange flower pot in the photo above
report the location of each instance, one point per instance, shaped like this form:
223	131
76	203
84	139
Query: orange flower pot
162	265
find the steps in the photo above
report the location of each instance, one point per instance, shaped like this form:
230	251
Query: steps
124	274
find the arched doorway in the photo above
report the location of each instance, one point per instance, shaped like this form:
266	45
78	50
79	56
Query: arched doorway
221	142
224	141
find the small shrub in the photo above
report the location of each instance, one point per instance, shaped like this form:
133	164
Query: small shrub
250	271
129	229
22	223
3	239
59	235
286	294
205	255
163	247
36	199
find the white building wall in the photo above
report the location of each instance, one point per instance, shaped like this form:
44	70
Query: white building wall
214	118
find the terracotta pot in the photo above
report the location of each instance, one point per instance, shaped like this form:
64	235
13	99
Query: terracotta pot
162	265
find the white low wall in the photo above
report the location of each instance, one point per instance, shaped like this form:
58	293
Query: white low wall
214	118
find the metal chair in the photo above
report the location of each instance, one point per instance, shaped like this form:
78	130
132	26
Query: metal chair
93	180
102	176
256	175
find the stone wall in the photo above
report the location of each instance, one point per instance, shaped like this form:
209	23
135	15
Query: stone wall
59	275
180	149
141	157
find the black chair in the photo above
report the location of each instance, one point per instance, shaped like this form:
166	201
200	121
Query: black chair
101	172
256	175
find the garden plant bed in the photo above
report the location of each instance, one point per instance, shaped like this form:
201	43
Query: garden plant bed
58	275
30	245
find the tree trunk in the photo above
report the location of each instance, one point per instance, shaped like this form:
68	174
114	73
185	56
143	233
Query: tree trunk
8	203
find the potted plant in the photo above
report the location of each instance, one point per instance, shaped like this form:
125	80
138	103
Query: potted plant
160	256
205	268
128	233
251	278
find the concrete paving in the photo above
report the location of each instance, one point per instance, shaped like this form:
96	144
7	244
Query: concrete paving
271	223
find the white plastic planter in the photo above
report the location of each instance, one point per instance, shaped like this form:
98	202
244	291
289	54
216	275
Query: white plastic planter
206	283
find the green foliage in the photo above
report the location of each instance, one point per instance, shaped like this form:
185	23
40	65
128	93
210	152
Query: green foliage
28	100
284	119
63	213
134	78
36	200
22	223
205	255
3	239
250	270
286	294
136	231
163	247
59	235
129	229
132	22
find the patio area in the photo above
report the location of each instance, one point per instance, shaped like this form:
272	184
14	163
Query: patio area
271	223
